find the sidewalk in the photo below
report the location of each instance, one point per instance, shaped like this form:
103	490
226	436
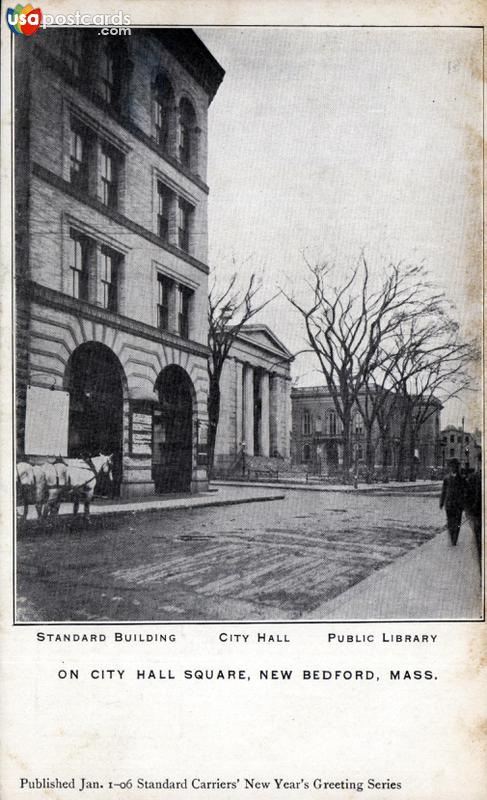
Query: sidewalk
435	581
223	496
391	488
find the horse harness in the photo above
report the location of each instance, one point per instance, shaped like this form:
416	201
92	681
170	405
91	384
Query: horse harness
92	467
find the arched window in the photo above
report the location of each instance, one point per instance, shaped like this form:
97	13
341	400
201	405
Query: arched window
318	424
187	135
306	452
358	423
306	423
332	423
163	103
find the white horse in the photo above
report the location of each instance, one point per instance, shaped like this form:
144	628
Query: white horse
46	485
31	487
82	477
56	483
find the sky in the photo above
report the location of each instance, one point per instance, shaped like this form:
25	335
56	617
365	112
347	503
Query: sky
330	141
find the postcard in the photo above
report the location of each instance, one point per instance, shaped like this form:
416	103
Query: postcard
242	365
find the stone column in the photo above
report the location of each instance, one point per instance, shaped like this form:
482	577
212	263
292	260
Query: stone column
248	403
264	416
286	388
238	406
273	421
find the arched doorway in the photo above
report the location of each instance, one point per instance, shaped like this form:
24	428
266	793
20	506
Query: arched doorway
94	382
172	455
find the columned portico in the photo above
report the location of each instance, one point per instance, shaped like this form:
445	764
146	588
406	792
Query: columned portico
255	404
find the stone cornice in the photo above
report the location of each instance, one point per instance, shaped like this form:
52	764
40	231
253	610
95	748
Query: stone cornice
63	302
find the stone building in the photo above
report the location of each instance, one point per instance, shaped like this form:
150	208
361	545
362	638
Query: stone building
111	259
255	392
317	435
463	445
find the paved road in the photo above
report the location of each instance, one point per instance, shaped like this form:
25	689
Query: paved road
269	560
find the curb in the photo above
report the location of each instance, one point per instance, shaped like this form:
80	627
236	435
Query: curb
429	490
100	515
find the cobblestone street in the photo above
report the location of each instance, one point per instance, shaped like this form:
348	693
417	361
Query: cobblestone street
268	560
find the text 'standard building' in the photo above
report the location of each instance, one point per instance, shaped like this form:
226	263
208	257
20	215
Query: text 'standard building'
111	259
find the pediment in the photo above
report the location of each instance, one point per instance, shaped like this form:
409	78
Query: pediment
262	336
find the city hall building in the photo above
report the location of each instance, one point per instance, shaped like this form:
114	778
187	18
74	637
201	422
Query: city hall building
255	387
111	251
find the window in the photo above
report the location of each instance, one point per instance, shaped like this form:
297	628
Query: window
306	423
187	130
109	167
332	423
318	424
163	111
184	224
165	197
459	440
165	286
78	156
106	84
358	424
306	452
360	452
452	452
184	300
78	265
114	72
72	51
109	279
452	439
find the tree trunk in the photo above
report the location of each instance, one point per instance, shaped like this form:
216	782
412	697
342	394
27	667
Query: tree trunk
213	418
401	453
412	459
369	453
347	450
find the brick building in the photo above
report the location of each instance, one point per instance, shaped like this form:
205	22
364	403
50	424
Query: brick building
317	435
111	258
462	445
255	389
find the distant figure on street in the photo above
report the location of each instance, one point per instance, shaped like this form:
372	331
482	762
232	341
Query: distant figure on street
453	498
473	506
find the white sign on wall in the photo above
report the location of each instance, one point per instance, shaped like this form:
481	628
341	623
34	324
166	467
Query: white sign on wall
46	422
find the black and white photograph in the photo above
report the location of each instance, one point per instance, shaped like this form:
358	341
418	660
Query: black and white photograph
248	323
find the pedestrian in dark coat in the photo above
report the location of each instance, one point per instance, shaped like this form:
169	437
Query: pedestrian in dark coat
453	498
473	507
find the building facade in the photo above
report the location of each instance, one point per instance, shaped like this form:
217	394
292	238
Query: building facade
458	443
255	388
111	258
317	435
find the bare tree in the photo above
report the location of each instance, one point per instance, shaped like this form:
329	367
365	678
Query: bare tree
430	364
348	327
229	309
